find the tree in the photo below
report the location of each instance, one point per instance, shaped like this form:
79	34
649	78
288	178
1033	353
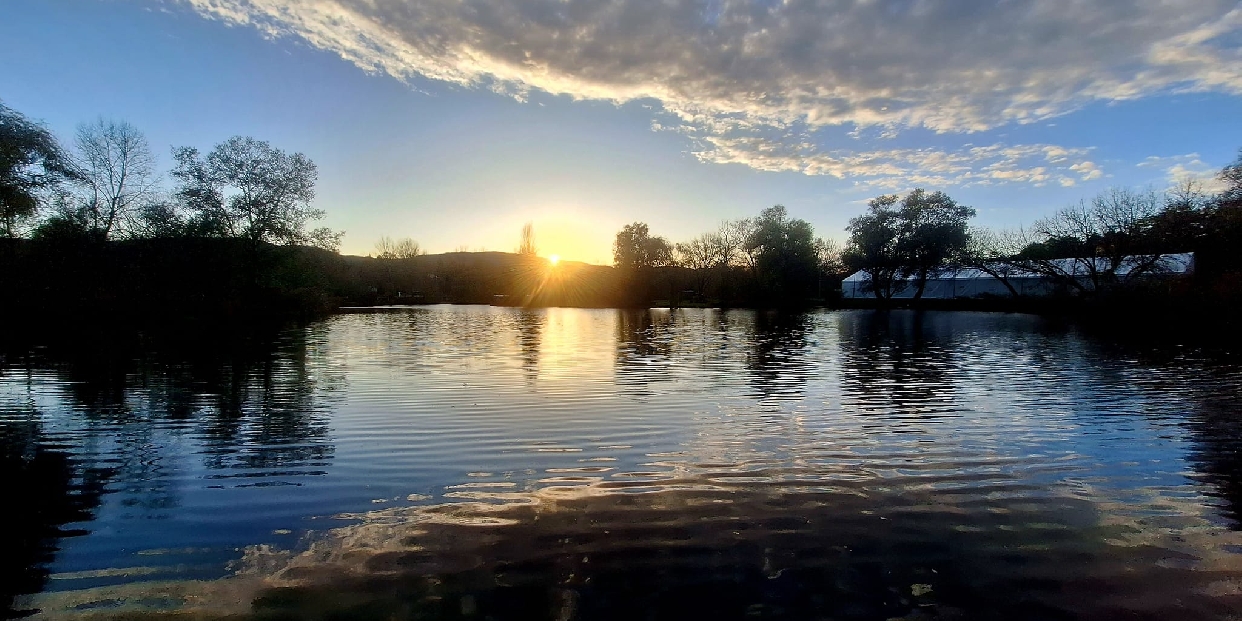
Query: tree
249	189
698	255
31	162
404	248
635	248
736	234
728	243
785	255
932	235
1093	245
900	239
117	175
994	254
527	246
873	246
1231	176
829	258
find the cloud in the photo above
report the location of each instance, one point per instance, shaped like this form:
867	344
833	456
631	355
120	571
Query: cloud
892	169
1179	169
720	68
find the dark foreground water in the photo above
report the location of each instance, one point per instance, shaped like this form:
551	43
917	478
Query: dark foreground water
478	462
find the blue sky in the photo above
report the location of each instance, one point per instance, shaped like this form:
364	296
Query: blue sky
454	122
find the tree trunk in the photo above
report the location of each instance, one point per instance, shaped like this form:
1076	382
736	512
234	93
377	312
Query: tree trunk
918	293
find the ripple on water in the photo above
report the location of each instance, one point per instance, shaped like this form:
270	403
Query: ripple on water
606	463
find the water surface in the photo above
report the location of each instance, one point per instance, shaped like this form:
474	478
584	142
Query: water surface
474	462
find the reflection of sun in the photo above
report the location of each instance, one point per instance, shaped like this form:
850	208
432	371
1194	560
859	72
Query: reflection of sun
554	259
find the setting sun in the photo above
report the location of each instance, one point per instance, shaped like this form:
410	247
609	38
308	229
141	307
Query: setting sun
554	259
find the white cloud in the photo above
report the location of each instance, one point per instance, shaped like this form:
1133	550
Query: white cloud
723	69
891	169
1179	169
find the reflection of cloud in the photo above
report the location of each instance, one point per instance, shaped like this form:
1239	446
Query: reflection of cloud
724	548
727	72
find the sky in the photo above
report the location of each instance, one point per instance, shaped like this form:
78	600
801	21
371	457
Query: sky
455	122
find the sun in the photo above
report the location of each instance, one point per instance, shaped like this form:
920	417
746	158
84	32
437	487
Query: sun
554	259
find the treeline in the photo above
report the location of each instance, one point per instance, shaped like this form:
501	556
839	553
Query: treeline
1105	248
231	231
93	225
769	260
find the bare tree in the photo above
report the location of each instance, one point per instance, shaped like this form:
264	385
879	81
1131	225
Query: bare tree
829	255
995	253
698	255
527	246
117	173
404	248
1091	245
734	249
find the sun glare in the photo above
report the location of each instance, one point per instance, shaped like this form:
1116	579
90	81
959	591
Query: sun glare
554	259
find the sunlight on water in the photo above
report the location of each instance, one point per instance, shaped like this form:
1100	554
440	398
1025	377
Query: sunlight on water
565	463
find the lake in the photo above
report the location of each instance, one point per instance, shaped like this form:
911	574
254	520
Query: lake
485	462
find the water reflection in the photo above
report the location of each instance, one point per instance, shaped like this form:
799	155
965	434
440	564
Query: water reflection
895	362
777	359
572	463
529	324
115	424
701	549
46	490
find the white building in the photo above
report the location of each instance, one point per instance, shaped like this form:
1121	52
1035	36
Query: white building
973	283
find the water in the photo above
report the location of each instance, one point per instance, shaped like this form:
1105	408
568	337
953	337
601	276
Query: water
475	462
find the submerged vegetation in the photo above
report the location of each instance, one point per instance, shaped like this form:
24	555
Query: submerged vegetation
93	225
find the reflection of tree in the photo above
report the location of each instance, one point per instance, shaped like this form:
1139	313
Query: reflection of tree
254	399
44	489
267	401
529	324
894	360
644	346
776	357
1217	431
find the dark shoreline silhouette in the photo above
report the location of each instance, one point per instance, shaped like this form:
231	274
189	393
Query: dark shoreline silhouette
187	283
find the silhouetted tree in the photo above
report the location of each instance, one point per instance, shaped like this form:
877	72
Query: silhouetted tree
159	219
31	161
1095	244
785	255
873	246
635	248
698	255
527	246
829	258
404	248
1231	175
993	253
932	234
117	172
249	189
729	243
911	238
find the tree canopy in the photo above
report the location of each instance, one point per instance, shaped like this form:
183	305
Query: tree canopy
31	162
786	258
247	188
636	248
910	238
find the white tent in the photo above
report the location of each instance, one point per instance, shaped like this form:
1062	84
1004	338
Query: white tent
973	283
